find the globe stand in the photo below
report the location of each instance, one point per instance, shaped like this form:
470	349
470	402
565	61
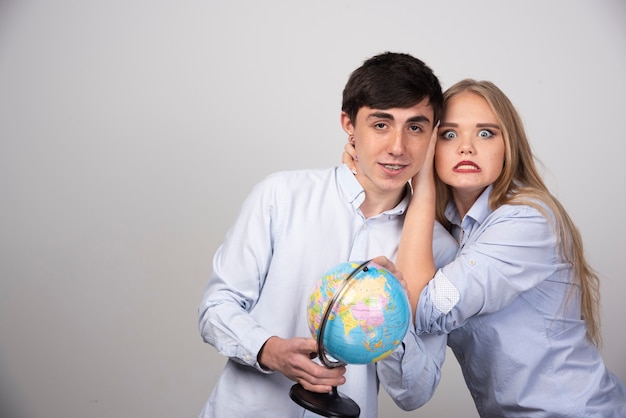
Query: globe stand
332	404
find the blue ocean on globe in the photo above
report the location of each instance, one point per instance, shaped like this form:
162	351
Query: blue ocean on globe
368	321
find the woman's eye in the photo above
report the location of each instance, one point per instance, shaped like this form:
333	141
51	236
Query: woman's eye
448	135
485	133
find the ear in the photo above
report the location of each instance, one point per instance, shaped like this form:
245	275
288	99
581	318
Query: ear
347	126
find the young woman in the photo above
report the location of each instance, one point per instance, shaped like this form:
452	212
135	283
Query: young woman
519	302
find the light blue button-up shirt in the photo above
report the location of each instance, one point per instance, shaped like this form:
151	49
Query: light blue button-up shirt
518	338
291	229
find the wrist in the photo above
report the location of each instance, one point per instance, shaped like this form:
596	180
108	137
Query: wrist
264	357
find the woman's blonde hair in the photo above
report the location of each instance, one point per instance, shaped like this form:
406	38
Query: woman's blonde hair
520	184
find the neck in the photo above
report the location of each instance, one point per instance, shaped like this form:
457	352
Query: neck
465	200
375	204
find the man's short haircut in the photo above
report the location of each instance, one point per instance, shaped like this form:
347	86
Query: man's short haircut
391	80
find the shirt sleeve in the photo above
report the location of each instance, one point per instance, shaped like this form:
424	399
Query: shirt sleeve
513	251
239	268
444	246
412	372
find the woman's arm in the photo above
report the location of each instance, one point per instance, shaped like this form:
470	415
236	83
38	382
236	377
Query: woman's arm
415	253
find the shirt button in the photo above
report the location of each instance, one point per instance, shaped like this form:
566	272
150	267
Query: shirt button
472	262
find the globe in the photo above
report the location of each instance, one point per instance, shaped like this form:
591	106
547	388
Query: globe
368	316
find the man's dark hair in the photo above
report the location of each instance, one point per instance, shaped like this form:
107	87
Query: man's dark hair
391	80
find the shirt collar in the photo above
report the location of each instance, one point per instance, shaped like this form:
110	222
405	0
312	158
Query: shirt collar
478	212
480	209
355	195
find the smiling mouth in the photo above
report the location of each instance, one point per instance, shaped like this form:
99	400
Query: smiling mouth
393	166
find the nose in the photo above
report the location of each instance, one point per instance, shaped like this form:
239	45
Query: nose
396	144
466	147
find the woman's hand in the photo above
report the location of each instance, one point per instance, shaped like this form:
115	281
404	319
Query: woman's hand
349	157
387	264
426	175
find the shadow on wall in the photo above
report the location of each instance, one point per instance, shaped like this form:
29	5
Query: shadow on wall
11	403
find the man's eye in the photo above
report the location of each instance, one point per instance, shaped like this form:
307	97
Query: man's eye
485	133
448	135
380	125
415	128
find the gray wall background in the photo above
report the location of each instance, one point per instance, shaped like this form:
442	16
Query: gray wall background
131	131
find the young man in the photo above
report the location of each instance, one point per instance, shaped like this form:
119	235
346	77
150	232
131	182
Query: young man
294	226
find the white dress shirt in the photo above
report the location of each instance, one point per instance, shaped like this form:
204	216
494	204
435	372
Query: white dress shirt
292	228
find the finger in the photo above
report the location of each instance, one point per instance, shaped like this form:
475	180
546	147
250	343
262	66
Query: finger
308	346
322	379
350	150
433	140
383	261
434	134
349	160
318	388
386	263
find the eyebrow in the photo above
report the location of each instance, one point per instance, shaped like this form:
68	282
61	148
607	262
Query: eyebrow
420	118
380	115
478	125
385	115
488	125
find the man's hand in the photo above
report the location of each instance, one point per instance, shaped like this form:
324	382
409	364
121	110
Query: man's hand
292	357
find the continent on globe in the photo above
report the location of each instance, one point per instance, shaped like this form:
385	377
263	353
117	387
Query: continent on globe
369	317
